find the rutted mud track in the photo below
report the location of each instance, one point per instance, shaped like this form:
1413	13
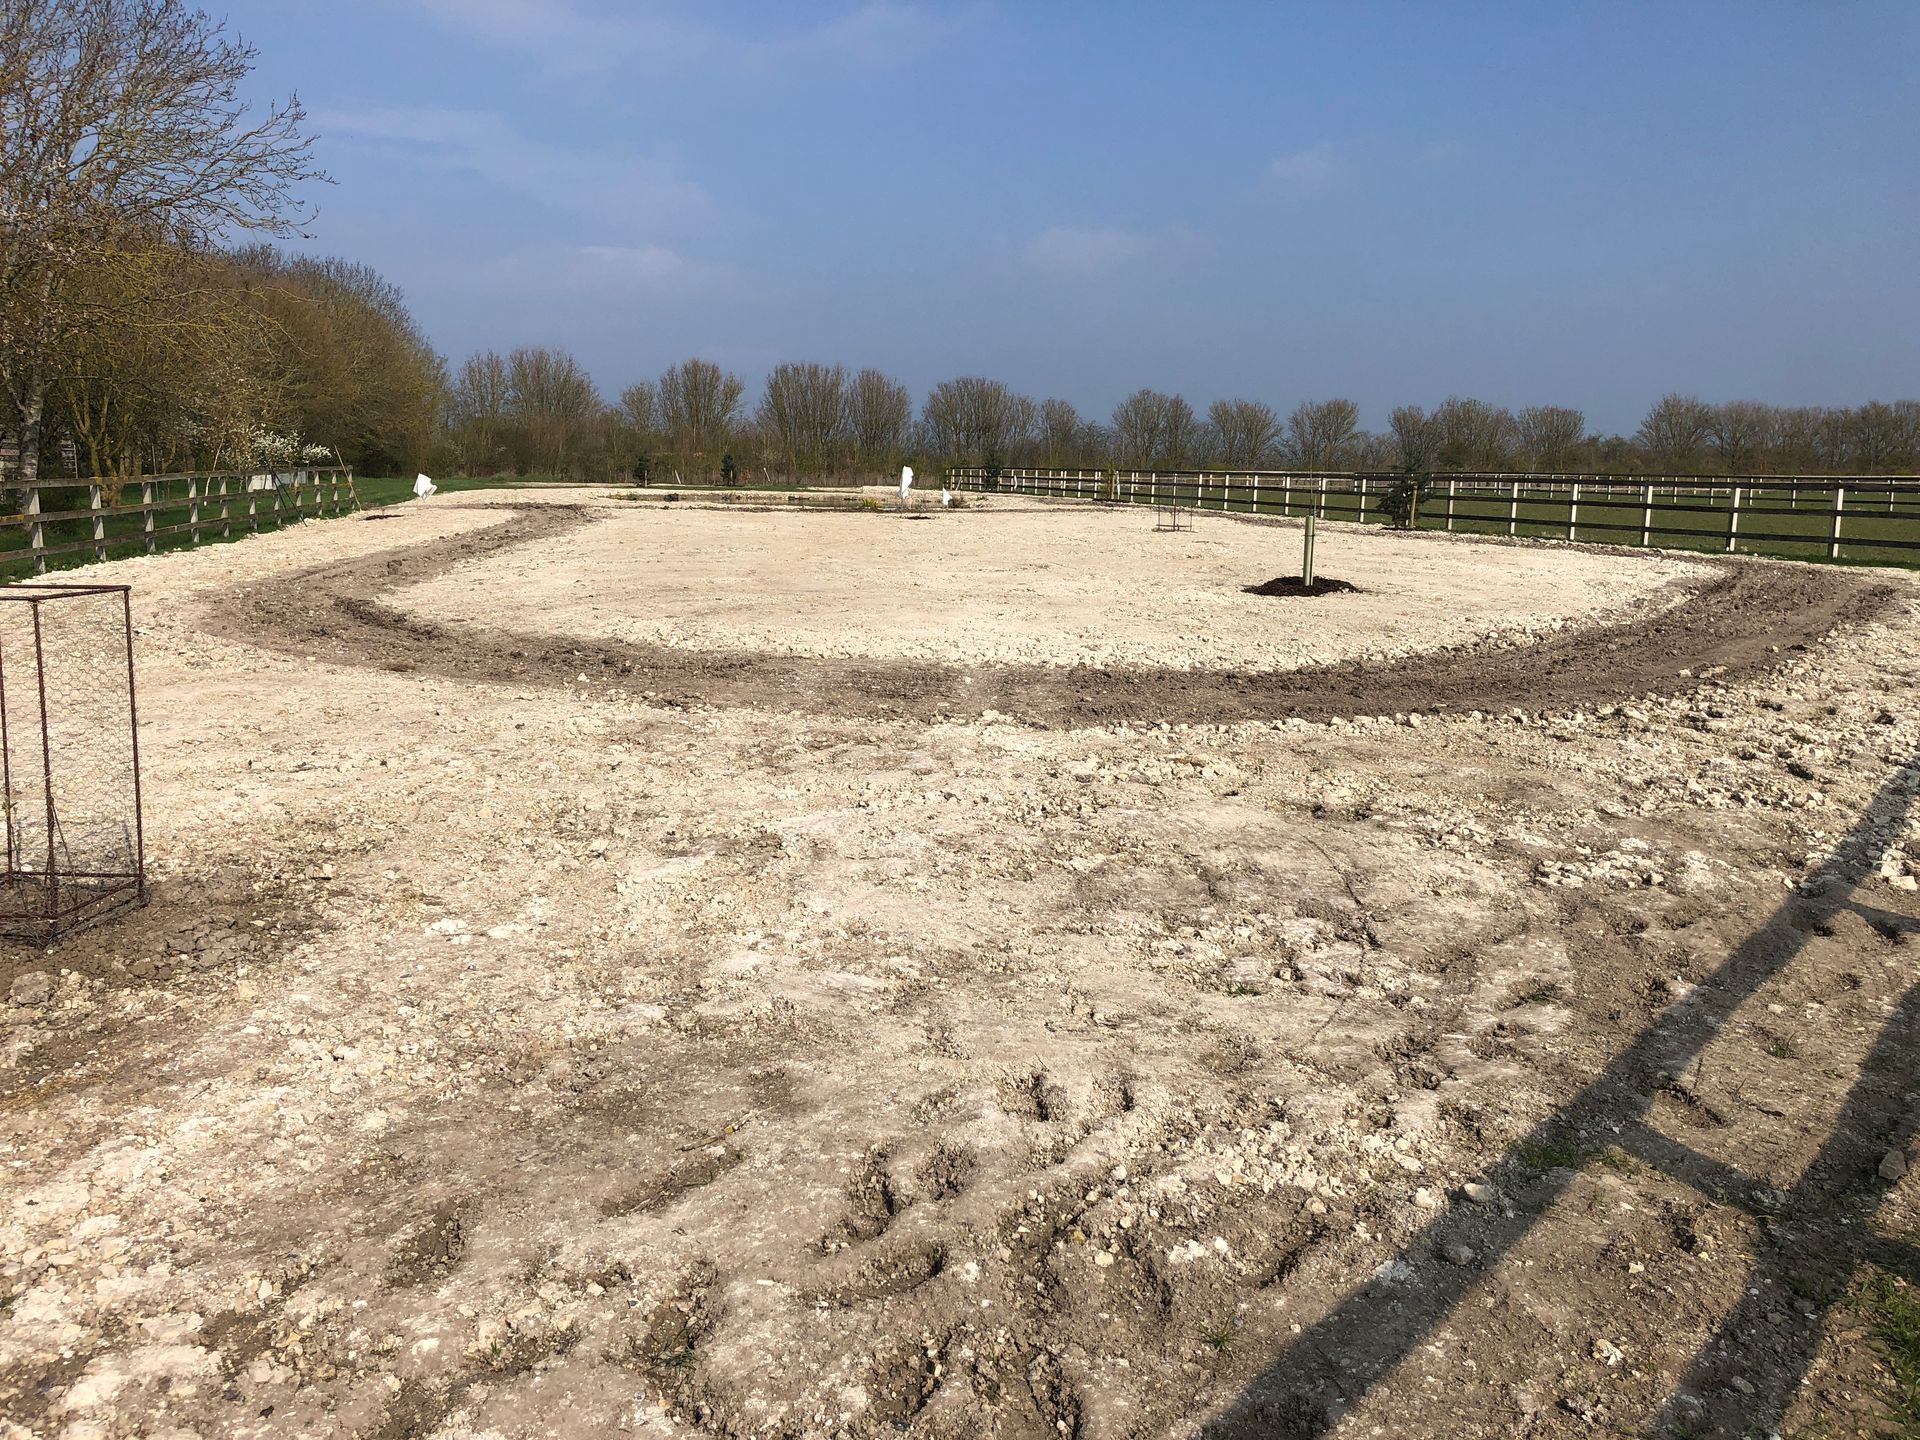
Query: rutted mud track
1734	625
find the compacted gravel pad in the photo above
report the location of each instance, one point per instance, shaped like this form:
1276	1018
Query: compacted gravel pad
1734	623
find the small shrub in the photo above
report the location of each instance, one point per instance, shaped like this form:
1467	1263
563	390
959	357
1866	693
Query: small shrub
1401	501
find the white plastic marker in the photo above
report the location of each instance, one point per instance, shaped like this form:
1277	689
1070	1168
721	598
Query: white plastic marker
423	487
906	482
946	498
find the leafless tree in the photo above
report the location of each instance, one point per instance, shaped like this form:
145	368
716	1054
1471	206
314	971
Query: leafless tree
477	411
1740	434
640	410
553	405
1550	436
1152	429
1674	434
1060	434
1472	435
700	404
1797	431
1884	439
976	419
1245	433
1320	432
804	415
879	414
1415	441
121	127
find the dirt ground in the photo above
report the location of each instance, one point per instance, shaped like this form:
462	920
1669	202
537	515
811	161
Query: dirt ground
587	990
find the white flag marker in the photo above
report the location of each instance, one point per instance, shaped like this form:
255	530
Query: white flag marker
423	487
906	482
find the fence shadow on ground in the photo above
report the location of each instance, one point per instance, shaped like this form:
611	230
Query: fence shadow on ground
1329	1367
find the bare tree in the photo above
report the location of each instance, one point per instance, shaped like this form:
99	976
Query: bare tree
1320	433
1245	432
1740	434
1472	435
805	415
1415	439
1550	436
879	414
121	127
1060	433
1797	432
1883	439
553	405
478	410
1674	434
1154	429
976	419
640	410
700	403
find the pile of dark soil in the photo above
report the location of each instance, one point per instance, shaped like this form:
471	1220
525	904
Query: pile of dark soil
1291	586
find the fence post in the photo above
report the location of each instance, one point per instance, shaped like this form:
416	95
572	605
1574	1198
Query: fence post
1256	494
277	522
1453	486
1646	514
146	512
1360	505
193	510
1573	513
1286	495
1733	522
1513	511
253	513
1319	498
226	526
1839	509
94	502
35	536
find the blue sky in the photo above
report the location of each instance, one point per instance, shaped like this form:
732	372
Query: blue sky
1585	204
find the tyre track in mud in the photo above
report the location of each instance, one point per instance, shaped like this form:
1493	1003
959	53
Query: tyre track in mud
1734	625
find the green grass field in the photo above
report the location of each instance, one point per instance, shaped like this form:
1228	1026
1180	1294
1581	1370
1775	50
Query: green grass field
1774	524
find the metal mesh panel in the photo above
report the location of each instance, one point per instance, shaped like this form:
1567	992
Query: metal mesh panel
69	763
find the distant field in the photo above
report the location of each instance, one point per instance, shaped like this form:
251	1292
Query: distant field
1782	524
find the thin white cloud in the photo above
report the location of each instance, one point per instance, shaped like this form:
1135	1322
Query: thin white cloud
1305	170
611	184
884	33
606	273
1069	251
565	35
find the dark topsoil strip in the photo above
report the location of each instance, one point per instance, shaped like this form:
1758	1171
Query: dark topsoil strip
1737	620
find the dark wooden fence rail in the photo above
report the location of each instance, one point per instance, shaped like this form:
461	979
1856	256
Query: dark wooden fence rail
75	517
1825	516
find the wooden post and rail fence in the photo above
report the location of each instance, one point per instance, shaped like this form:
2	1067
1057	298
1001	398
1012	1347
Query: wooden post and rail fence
1870	518
65	518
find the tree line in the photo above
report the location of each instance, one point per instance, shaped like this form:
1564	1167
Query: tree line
535	411
148	324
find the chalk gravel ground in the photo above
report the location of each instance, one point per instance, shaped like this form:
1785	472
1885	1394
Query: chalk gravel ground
516	1060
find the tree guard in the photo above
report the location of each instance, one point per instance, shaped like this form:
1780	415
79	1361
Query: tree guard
69	759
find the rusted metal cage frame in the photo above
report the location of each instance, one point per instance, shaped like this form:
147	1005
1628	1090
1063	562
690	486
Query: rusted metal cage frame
65	910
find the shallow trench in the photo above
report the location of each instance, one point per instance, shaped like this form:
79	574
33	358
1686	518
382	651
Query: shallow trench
1734	625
